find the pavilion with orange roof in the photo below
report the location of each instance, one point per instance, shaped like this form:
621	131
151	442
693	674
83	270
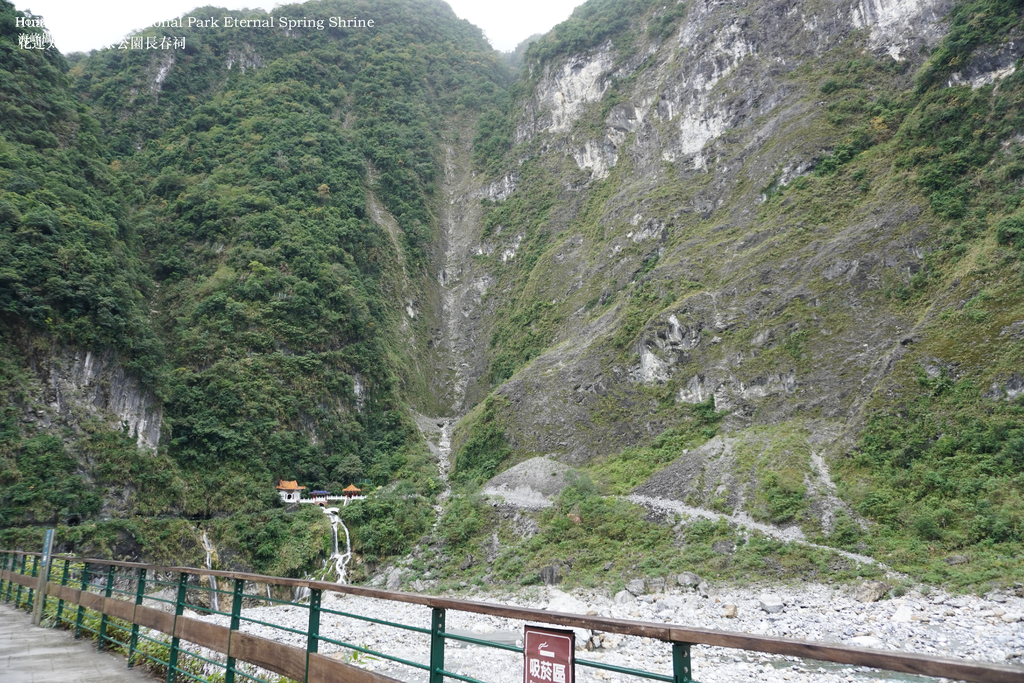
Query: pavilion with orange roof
290	491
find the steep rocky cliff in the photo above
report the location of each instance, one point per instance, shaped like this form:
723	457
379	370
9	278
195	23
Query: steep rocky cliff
736	205
76	384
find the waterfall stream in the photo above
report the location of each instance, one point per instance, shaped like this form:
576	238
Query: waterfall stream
210	550
338	562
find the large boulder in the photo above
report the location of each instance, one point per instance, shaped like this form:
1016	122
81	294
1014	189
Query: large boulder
770	603
904	614
871	591
563	602
723	547
623	598
689	580
551	575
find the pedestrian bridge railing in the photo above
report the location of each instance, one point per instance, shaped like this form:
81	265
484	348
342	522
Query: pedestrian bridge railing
104	599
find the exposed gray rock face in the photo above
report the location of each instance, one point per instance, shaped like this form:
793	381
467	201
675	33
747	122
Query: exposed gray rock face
900	26
564	91
458	314
79	384
990	64
503	187
723	547
532	483
723	45
242	59
1007	390
710	465
672	185
551	575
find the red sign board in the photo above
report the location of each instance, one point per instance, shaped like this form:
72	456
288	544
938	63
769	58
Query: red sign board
549	655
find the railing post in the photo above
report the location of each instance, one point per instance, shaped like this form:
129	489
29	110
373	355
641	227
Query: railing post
17	594
3	568
107	592
179	607
436	645
81	608
39	607
12	562
63	582
140	592
236	614
10	584
682	672
31	591
313	632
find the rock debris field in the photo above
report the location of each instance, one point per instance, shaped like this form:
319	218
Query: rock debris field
985	628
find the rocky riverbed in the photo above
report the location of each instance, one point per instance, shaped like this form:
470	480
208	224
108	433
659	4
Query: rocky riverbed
987	628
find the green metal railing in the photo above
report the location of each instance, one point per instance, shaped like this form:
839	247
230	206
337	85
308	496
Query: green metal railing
112	603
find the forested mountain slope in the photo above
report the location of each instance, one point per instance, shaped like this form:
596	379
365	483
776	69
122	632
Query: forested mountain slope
277	190
72	280
760	258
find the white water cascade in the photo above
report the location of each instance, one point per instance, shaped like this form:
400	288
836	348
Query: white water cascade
210	550
338	562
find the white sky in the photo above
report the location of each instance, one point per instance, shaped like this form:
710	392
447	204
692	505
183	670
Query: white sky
83	25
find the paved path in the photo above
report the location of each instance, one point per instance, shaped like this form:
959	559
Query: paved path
30	654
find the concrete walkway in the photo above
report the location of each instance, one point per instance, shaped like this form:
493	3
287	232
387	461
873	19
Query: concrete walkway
30	654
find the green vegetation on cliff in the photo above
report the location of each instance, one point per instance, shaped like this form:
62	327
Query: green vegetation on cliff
927	471
215	233
69	264
253	228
